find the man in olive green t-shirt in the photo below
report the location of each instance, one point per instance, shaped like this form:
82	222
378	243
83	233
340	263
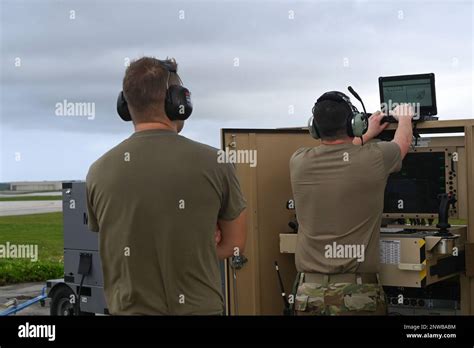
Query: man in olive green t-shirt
338	189
156	200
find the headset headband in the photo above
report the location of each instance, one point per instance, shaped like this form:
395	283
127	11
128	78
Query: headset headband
340	98
168	64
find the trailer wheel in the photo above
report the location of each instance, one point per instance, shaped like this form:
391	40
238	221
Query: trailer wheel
61	302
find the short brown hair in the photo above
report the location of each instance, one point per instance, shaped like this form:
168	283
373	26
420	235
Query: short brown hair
331	119
144	87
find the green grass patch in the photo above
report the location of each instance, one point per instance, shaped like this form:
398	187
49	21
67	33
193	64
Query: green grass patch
31	198
21	271
44	230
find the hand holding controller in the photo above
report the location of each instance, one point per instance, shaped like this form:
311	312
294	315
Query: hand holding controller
376	126
402	110
388	119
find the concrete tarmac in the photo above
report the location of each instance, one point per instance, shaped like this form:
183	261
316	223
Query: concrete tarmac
23	292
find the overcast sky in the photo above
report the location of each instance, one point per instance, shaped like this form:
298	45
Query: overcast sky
247	64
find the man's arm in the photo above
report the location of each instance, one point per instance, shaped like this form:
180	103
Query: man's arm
233	234
404	133
375	128
232	219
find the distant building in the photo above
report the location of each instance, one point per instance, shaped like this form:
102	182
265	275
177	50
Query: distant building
4	186
25	186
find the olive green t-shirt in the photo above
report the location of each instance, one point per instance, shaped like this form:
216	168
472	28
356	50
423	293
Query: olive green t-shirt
339	195
155	200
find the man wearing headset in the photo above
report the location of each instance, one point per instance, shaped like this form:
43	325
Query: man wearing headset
338	189
156	199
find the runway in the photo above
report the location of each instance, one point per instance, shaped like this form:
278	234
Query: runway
14	194
29	207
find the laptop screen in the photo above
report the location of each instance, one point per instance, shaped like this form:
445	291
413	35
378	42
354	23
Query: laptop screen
418	90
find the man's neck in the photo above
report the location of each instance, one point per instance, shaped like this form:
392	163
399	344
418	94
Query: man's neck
337	141
139	127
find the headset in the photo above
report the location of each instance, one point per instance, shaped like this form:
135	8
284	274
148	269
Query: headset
178	105
357	122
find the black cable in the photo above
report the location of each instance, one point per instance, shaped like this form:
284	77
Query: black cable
78	302
85	266
286	305
415	134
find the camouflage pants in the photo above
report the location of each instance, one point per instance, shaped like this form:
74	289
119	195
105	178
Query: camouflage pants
340	299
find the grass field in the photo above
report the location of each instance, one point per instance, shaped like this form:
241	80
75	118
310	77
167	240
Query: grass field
45	230
31	198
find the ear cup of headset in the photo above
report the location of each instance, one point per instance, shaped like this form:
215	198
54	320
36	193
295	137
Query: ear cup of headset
359	124
312	128
122	108
178	105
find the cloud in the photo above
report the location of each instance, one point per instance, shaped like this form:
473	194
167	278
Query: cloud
283	63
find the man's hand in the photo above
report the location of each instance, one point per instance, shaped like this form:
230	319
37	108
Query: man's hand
375	128
404	133
403	111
